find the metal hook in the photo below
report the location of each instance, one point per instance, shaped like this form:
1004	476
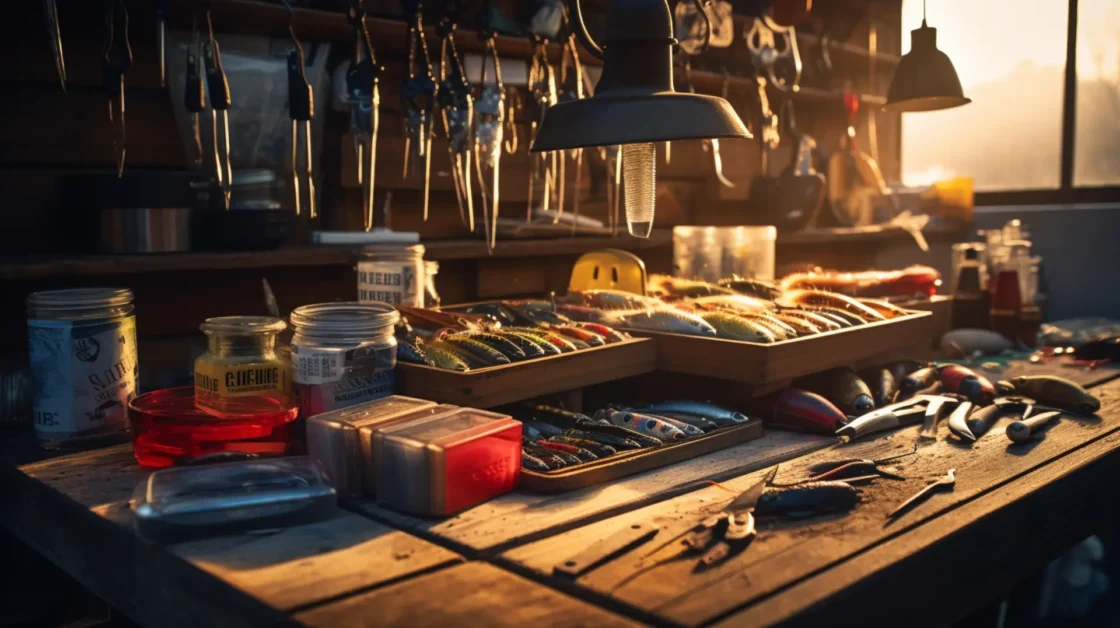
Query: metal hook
220	103
115	61
301	108
365	102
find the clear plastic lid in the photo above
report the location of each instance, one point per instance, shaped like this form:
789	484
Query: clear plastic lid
348	320
403	252
232	488
447	430
243	325
374	411
77	300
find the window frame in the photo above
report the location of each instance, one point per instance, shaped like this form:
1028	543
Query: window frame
1066	192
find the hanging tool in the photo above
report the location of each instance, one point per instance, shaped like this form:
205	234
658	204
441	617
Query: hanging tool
489	127
115	61
194	91
456	107
418	95
301	108
612	156
542	88
220	102
571	88
161	40
895	415
932	415
50	14
945	483
1026	429
362	87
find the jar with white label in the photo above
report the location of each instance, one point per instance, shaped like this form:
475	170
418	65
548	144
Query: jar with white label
241	374
393	274
84	365
343	354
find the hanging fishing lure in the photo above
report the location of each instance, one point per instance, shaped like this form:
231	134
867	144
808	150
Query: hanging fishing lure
543	166
220	102
456	105
571	89
116	59
301	109
362	79
418	95
490	115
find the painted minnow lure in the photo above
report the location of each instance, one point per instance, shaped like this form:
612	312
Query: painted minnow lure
608	334
484	352
630	436
618	442
687	428
578	452
541	451
836	319
445	358
557	340
734	327
671	321
583	335
720	416
1058	392
527	345
780	329
533	463
599	449
823	323
540	427
850	318
691	419
842	386
797	324
806	500
503	345
882	384
805	411
408	352
831	301
918	380
556	416
648	425
540	341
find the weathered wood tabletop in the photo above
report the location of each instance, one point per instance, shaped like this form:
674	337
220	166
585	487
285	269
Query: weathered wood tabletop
1013	508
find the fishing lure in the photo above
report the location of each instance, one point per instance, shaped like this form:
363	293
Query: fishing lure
583	335
629	436
408	352
500	344
533	463
721	416
618	442
483	352
807	500
597	448
647	425
608	334
528	346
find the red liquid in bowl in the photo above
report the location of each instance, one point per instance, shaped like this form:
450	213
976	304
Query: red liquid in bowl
168	429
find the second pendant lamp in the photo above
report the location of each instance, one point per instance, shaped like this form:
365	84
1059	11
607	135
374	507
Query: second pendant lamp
925	79
635	105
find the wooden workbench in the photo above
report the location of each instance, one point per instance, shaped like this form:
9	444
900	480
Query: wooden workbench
1013	509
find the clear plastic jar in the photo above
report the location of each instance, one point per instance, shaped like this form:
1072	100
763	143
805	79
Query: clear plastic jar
84	365
240	373
343	354
393	274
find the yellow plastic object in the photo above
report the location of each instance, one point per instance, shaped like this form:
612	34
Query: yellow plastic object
953	198
609	269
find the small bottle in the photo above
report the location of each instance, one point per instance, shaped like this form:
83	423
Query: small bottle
393	274
241	374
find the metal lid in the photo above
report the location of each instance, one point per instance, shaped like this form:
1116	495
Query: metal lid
391	250
243	325
77	299
343	319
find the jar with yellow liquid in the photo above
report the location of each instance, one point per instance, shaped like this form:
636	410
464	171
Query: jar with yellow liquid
241	373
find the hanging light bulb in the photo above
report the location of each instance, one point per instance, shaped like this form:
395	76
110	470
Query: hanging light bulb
635	104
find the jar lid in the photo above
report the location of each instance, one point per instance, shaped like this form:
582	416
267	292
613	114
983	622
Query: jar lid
343	318
77	299
243	325
389	250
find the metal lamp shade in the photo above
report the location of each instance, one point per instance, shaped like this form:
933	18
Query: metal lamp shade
925	79
625	117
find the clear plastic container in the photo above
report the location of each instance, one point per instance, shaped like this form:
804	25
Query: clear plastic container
393	274
195	501
84	365
447	463
168	428
241	373
365	441
332	437
343	354
714	253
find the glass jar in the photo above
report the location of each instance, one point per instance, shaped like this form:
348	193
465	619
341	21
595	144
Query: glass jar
84	366
393	274
343	354
431	297
240	374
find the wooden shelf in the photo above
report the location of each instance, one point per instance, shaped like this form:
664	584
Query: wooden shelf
712	82
874	233
440	250
805	41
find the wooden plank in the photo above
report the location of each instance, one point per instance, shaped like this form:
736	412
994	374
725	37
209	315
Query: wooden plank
471	594
499	385
769	366
521	517
787	552
294	568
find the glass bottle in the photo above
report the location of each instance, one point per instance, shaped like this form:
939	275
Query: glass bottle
240	373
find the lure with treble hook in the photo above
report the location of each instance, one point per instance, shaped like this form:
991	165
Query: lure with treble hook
365	102
116	59
490	116
457	112
418	95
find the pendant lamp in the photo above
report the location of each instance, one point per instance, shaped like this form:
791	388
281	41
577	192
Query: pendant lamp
925	79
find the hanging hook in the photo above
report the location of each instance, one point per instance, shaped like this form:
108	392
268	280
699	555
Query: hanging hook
301	108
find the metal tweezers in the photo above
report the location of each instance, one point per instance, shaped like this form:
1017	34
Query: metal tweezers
301	108
116	59
219	108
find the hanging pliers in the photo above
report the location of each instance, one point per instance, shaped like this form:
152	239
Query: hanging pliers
418	96
218	88
365	103
116	59
301	108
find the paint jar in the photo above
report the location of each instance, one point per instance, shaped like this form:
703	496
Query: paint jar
84	365
343	354
241	373
393	274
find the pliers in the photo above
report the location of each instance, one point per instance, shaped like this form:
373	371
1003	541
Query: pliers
969	422
919	408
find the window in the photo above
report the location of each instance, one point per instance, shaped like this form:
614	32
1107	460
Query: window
1017	135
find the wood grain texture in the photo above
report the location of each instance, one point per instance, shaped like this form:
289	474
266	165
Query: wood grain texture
767	367
472	594
499	385
521	517
291	569
786	553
